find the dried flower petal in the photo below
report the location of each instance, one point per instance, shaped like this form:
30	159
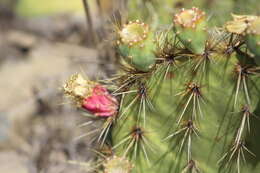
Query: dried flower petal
240	23
77	86
237	27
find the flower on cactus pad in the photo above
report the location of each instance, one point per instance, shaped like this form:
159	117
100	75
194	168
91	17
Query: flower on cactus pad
91	96
189	18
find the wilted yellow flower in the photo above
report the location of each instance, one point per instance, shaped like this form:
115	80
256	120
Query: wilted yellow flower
78	88
240	23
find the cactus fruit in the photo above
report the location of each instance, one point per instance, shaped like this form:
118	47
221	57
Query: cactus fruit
185	107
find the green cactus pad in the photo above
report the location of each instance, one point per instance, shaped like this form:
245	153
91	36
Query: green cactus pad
193	113
186	106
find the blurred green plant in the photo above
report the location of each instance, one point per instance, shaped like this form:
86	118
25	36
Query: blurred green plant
47	7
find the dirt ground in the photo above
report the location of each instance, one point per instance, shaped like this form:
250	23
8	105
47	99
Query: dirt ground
38	127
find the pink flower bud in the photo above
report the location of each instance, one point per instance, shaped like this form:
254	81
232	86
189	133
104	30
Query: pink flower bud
101	103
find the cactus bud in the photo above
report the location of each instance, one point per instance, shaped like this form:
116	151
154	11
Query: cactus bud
189	18
117	165
136	44
91	96
133	33
190	26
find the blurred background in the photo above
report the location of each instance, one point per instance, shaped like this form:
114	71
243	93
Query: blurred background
42	42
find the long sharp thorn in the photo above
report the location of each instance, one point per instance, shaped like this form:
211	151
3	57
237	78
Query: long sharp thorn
240	130
145	153
238	162
174	134
140	108
199	107
167	70
104	138
232	154
150	105
122	86
126	109
249	151
129	146
246	91
189	147
148	145
135	150
243	156
121	142
85	124
89	133
184	139
186	105
144	112
194	114
127	92
222	158
248	124
237	88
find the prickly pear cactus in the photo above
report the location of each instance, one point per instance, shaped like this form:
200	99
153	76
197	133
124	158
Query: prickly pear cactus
185	101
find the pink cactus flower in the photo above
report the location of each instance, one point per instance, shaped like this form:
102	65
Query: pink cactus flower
100	102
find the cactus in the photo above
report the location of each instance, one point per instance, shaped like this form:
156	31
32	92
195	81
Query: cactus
182	106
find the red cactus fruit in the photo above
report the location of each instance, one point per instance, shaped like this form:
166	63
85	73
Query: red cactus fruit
101	103
91	96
